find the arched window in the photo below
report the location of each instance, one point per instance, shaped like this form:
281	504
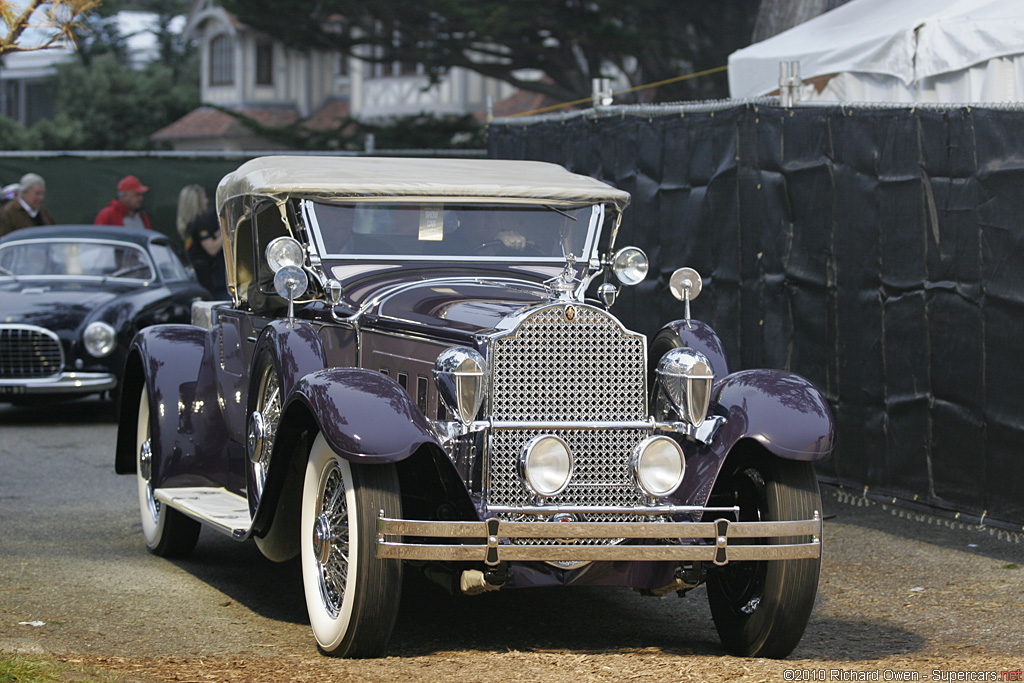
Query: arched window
222	60
264	62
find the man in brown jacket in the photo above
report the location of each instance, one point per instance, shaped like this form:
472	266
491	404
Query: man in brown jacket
27	208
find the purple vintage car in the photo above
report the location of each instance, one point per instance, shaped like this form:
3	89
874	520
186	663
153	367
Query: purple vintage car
412	375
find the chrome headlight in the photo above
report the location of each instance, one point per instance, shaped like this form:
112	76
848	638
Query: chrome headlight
630	265
658	465
284	251
685	376
545	465
461	381
99	339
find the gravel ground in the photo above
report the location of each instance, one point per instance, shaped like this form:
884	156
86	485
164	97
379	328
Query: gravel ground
901	595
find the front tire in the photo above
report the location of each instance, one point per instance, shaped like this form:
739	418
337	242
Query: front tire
351	595
761	608
168	533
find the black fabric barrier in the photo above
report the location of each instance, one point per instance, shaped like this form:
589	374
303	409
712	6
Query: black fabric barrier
878	252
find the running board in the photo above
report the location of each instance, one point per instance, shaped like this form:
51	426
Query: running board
218	508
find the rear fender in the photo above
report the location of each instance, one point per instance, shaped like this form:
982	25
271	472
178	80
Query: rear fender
186	422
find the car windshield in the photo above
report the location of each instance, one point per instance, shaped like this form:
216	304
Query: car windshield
451	231
74	259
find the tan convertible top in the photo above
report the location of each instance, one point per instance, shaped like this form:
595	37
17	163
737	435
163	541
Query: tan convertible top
314	176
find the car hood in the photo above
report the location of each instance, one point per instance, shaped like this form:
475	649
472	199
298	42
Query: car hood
466	305
55	305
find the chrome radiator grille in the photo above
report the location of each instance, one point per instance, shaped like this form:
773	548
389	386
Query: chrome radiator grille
27	352
555	368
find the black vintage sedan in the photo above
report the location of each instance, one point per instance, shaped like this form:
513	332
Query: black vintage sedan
72	298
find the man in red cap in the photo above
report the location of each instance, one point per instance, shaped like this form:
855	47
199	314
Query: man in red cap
126	209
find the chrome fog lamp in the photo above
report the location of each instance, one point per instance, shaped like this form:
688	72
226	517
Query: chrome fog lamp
658	465
630	265
100	339
545	465
283	252
461	381
685	376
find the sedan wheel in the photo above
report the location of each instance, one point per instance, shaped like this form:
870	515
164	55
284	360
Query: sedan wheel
351	595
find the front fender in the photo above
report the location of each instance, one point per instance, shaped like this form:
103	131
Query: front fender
782	411
695	335
364	415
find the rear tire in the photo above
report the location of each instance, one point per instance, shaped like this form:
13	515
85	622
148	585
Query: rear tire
761	608
351	595
168	533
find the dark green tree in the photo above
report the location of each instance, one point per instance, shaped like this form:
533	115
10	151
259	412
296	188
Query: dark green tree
568	42
109	105
103	101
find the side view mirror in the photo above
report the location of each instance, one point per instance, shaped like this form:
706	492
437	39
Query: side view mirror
685	285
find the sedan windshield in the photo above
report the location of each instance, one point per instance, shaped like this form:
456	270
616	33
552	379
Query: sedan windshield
74	259
402	230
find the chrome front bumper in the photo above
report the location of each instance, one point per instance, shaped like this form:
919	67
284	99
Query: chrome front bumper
64	383
719	542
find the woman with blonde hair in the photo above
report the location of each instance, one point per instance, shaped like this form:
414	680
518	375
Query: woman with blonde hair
192	203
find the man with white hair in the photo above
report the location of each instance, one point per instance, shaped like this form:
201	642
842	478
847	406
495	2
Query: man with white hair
27	209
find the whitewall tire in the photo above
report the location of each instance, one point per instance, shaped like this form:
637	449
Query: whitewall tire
351	595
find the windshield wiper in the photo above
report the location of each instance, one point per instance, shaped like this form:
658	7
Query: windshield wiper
4	271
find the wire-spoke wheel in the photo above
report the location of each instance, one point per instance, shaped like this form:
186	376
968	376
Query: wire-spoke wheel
263	423
762	608
168	533
351	595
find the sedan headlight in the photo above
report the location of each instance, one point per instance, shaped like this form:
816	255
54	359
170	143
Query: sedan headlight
461	381
658	466
545	465
99	339
685	376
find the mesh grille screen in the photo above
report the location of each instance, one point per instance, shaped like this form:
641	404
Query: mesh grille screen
555	369
551	368
29	352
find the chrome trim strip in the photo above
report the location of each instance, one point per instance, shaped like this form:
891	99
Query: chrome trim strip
650	510
585	425
596	553
491	550
704	433
64	383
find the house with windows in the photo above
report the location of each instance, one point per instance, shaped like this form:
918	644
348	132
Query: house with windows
249	72
26	94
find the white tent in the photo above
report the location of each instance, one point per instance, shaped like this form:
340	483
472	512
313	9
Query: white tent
895	51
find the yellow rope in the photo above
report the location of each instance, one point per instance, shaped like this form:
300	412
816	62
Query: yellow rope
684	77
